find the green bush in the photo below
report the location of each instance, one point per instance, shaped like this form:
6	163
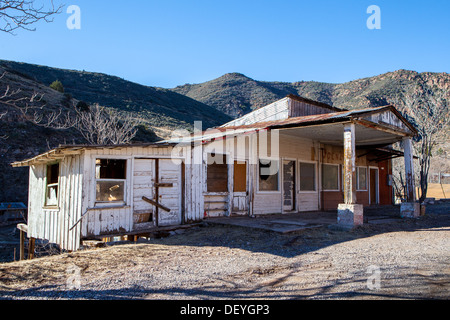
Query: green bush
57	85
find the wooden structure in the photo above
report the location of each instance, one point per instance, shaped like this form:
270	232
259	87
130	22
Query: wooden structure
293	155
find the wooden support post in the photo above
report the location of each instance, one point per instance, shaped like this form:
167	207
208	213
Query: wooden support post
349	164
409	209
350	214
409	170
23	228
22	245
156	192
31	244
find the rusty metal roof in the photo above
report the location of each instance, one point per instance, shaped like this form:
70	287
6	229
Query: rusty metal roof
335	117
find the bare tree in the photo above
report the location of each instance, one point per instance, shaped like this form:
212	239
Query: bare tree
97	124
101	125
23	14
428	109
18	100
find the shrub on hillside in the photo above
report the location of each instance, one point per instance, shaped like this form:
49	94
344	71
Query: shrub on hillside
58	86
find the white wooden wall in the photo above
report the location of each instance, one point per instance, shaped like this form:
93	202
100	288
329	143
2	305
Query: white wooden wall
77	190
53	224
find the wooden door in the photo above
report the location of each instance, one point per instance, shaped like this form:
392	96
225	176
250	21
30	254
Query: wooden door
373	186
169	192
240	194
143	186
288	185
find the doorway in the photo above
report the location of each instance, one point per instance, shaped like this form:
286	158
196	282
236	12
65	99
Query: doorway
373	188
288	185
157	193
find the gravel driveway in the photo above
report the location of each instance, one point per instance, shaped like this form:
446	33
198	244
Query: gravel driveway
408	259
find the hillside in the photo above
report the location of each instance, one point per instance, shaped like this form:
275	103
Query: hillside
162	111
161	108
237	94
214	102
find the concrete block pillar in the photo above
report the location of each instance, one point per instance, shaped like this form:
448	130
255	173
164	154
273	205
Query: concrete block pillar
409	209
350	214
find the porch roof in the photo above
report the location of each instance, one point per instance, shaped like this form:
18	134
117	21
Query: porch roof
326	128
67	150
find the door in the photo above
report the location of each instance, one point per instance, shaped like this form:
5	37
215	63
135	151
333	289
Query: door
240	194
373	186
143	186
157	193
169	191
288	185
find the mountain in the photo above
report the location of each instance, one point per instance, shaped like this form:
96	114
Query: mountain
162	111
214	102
160	108
236	94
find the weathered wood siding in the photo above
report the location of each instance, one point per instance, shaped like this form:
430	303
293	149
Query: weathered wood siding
301	109
275	111
294	149
389	119
120	219
54	224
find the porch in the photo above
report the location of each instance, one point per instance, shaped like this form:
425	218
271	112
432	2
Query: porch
297	222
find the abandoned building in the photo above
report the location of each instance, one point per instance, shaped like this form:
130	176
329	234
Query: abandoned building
294	155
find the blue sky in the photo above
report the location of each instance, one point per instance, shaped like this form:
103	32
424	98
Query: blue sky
167	43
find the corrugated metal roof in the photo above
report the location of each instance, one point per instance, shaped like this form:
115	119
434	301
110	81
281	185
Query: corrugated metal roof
342	116
63	150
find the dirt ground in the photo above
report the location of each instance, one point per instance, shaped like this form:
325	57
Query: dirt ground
405	259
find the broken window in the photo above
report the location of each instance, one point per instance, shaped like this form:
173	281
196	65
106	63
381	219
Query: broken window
361	178
51	198
307	176
240	177
268	175
330	177
217	173
110	175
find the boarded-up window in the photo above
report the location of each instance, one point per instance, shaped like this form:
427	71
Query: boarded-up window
361	178
268	175
51	198
217	174
307	176
330	177
240	177
110	175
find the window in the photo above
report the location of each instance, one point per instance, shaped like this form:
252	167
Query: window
361	178
307	176
51	197
217	173
110	177
330	177
268	175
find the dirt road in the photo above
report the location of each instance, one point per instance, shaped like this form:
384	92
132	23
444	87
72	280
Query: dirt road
408	259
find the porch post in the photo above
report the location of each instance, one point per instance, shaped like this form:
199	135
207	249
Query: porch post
349	165
410	208
350	214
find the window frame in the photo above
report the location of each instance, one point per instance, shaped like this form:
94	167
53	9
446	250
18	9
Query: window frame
226	159
357	179
47	186
338	177
300	176
278	160
117	203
